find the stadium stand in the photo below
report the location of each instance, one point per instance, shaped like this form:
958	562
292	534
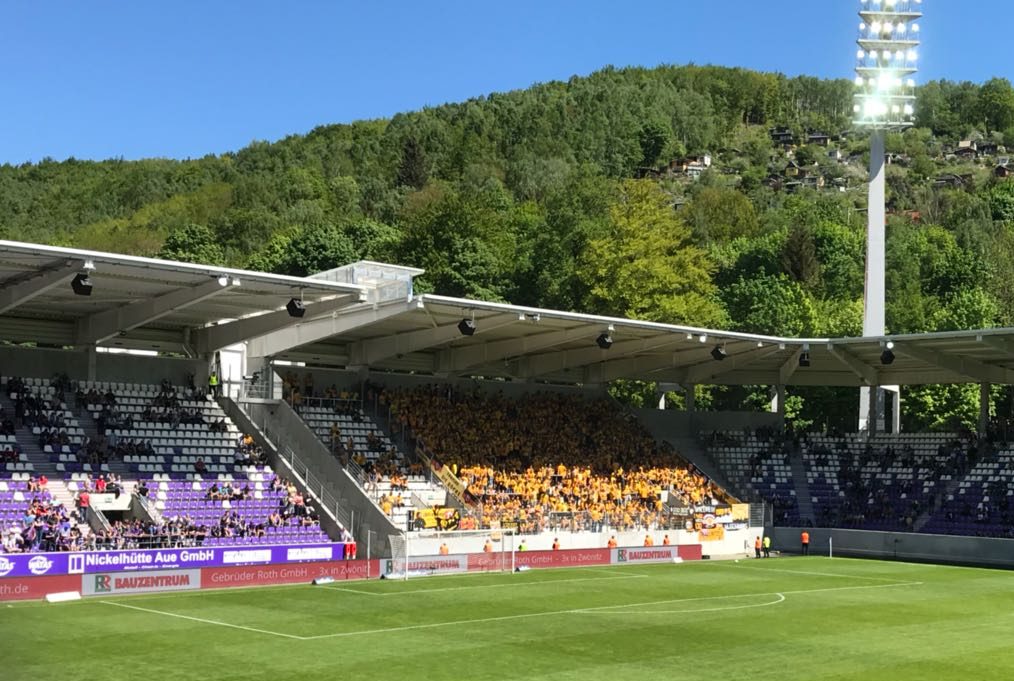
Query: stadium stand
549	460
886	482
979	504
390	476
759	462
203	483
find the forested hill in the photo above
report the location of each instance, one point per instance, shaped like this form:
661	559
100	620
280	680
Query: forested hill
703	195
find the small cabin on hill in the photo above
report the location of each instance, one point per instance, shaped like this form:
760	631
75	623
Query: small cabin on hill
949	180
782	136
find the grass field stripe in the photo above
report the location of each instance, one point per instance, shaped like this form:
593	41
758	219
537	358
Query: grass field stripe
780	599
577	611
541	582
804	572
201	619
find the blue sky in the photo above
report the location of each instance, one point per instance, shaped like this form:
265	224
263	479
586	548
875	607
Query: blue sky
185	78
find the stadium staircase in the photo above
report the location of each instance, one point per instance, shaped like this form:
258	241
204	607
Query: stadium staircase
296	451
90	427
39	463
801	479
926	516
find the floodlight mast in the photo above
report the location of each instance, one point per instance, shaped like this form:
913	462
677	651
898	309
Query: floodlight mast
886	63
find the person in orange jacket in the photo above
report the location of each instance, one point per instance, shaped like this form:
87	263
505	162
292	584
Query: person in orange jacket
757	547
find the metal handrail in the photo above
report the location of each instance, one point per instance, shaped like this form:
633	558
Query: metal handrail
315	486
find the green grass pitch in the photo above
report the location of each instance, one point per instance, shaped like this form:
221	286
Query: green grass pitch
782	618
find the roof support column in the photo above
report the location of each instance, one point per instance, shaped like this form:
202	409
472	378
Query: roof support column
984	390
895	396
778	404
91	357
874	410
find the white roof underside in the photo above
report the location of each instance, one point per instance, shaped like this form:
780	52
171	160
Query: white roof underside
419	333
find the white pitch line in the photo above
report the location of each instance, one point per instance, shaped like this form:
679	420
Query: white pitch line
551	613
486	586
201	619
780	599
804	572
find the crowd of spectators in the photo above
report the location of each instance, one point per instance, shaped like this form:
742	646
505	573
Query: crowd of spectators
45	526
548	458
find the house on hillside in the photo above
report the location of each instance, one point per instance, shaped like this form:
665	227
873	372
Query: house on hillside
814	181
949	180
836	155
969	153
991	149
1003	172
782	136
819	138
794	170
691	166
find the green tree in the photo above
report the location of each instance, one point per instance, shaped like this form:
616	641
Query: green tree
655	138
413	171
799	257
770	305
193	243
646	266
996	104
317	249
721	214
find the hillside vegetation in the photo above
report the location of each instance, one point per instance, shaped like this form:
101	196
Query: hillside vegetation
702	195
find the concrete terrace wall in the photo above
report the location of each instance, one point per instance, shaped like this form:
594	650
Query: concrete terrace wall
686	424
44	363
929	548
350	380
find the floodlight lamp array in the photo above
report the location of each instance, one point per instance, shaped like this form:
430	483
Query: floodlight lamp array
886	62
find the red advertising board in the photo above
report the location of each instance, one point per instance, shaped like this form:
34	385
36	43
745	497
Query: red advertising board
30	588
217	578
568	558
540	559
689	551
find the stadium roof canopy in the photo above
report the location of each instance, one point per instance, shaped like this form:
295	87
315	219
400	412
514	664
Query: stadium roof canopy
366	315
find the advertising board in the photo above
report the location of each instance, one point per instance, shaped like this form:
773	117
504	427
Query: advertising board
266	575
656	554
117	583
31	588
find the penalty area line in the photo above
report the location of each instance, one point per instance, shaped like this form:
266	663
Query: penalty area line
582	611
541	582
202	620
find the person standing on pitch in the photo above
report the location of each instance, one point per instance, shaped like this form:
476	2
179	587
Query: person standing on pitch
757	547
767	546
805	540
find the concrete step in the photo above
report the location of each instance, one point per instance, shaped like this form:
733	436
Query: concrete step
62	495
801	482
